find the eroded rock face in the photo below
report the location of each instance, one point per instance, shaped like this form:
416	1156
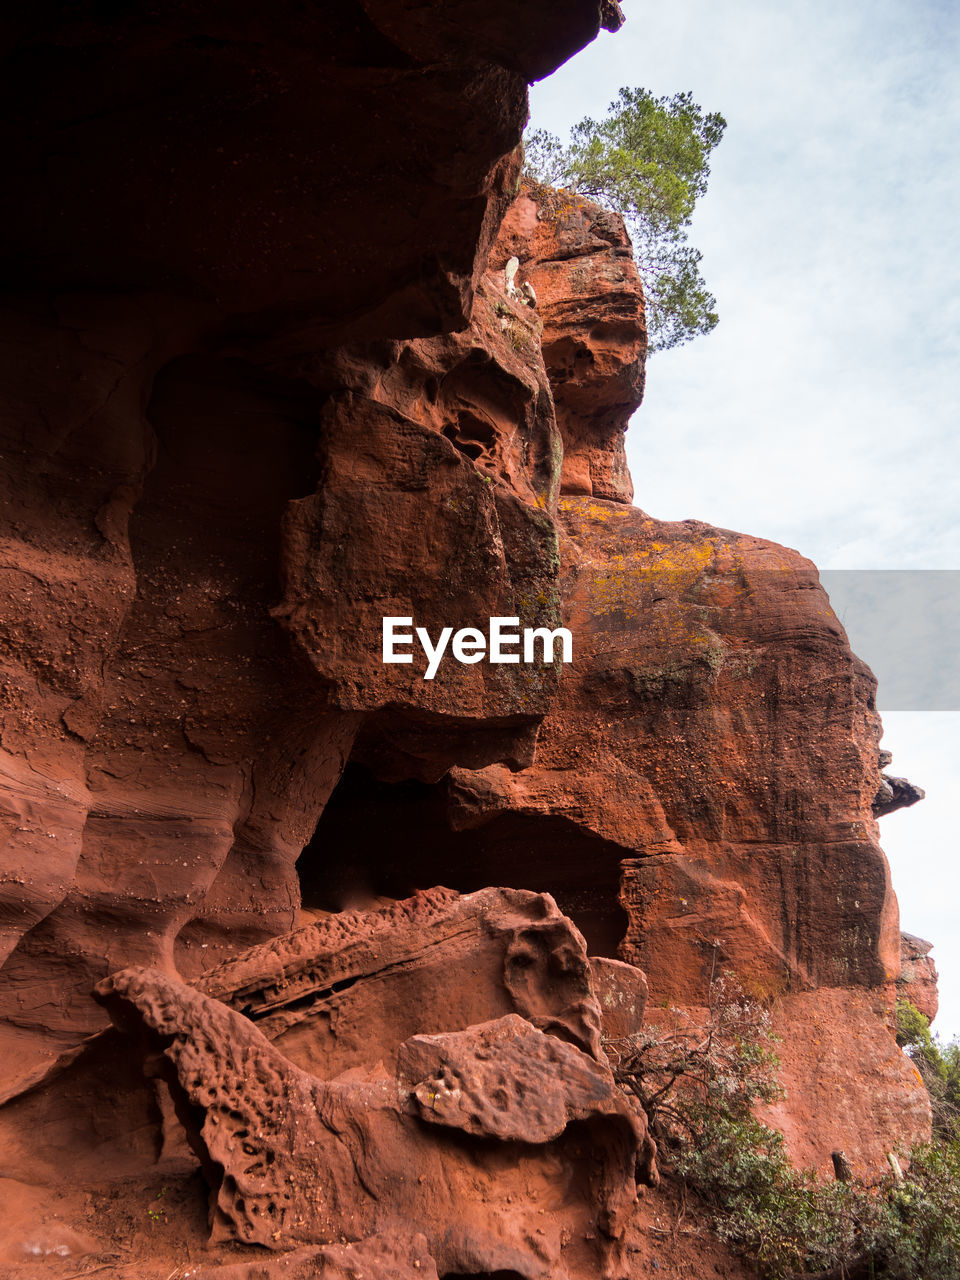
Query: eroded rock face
719	738
318	1077
918	975
293	1159
580	262
298	1157
211	499
848	1084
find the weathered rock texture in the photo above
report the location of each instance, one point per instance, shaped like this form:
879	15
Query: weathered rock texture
580	262
211	501
327	992
293	1159
713	757
318	1078
268	384
918	975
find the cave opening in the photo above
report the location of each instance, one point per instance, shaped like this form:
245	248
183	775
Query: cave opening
482	1275
384	840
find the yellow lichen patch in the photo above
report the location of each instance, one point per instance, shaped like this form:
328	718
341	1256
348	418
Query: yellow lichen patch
555	205
652	581
685	559
590	509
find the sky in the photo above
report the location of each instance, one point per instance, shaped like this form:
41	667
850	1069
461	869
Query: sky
822	413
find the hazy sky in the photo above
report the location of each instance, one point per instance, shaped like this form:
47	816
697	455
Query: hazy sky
822	412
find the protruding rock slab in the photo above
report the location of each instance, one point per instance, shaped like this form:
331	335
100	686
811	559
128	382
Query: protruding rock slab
918	975
490	1080
291	1159
579	260
348	991
895	793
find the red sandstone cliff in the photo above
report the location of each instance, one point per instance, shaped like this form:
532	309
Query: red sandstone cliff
267	384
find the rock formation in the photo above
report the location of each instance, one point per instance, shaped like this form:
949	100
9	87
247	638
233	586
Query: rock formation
267	384
580	263
294	1159
918	975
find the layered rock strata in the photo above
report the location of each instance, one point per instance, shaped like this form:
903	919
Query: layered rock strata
210	498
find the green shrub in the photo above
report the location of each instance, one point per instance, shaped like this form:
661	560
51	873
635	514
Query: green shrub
939	1067
921	1223
699	1082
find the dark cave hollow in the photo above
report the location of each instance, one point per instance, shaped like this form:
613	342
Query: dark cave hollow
379	839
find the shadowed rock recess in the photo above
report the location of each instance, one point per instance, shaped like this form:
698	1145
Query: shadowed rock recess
267	381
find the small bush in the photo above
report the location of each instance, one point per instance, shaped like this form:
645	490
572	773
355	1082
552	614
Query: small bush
938	1065
921	1218
698	1083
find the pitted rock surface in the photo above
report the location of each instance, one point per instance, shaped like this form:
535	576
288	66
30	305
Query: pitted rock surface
293	1159
360	983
